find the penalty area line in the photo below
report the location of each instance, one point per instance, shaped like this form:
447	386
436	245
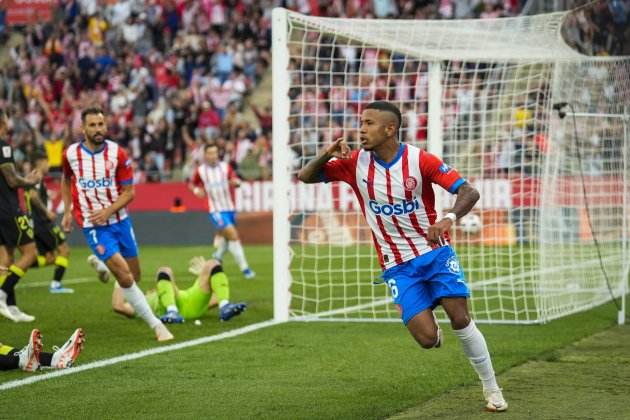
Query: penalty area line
137	355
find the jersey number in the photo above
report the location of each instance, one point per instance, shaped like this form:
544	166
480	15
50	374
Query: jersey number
392	286
94	238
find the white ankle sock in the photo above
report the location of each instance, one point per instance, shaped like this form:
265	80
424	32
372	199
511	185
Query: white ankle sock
221	246
136	299
236	249
101	267
476	351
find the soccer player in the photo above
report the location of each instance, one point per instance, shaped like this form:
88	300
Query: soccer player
32	358
175	305
49	238
97	185
393	184
214	178
16	229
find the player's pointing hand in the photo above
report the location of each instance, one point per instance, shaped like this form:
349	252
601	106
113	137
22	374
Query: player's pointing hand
339	149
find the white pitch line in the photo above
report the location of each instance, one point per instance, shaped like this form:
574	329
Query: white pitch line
137	355
79	280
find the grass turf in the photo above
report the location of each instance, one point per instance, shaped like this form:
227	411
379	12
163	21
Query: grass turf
294	371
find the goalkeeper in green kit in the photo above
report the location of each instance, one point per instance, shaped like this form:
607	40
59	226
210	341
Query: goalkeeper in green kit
174	306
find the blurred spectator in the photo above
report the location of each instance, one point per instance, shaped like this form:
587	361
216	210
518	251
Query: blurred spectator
176	74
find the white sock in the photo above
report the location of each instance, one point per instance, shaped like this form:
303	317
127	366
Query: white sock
236	249
476	351
171	308
221	246
136	299
223	303
55	284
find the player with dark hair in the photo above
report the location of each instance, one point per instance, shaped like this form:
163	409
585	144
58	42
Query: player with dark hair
49	238
213	179
97	186
31	357
393	183
16	229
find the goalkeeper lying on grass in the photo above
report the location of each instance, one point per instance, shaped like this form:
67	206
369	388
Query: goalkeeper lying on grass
173	305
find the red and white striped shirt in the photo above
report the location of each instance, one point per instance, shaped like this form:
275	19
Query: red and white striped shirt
215	180
96	179
397	199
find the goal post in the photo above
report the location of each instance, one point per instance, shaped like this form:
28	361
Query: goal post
281	167
481	94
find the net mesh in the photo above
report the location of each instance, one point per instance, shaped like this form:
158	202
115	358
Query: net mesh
531	257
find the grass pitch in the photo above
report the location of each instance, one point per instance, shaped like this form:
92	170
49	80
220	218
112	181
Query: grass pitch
290	371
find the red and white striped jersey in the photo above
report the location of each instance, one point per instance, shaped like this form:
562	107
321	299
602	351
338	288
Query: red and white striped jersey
215	180
96	179
397	199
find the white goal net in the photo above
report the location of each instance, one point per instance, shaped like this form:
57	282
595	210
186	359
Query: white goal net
553	215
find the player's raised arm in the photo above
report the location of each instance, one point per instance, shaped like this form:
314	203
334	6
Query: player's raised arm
311	172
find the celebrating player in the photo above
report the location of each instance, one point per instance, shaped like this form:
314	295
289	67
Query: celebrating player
32	358
214	178
50	240
97	185
16	229
393	184
175	305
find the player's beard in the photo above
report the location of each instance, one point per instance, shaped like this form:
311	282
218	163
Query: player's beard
97	139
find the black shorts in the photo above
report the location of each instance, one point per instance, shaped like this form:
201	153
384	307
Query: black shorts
16	230
48	236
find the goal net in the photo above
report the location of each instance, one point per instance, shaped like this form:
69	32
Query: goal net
549	235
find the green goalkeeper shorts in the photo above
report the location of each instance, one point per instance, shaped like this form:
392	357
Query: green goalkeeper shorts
193	302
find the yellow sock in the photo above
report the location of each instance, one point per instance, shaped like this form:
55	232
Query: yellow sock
61	261
41	261
4	350
16	270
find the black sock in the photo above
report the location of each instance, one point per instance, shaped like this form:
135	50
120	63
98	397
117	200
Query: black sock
163	276
11	298
9	287
9	282
216	269
45	359
59	272
9	361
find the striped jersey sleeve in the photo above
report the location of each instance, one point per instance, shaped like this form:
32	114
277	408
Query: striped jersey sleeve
438	172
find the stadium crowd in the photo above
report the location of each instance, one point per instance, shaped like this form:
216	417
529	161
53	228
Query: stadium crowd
176	74
173	74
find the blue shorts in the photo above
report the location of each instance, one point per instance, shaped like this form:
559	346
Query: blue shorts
420	283
222	219
106	241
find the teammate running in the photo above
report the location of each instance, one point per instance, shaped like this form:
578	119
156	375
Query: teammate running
214	179
97	186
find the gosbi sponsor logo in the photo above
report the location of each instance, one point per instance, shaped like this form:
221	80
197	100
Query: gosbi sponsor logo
96	183
396	209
